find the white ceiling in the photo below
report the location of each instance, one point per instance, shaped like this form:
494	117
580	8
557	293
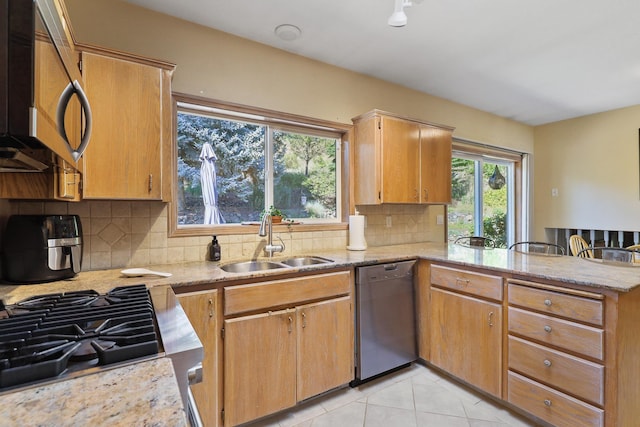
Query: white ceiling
534	61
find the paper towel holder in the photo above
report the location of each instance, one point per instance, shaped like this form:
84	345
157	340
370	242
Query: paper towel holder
357	241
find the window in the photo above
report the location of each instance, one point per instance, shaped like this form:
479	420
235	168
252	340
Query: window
233	164
478	207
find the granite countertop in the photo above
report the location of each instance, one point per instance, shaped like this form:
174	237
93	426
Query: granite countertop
140	394
563	269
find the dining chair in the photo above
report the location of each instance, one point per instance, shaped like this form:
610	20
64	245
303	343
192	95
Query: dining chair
538	248
636	250
609	255
475	242
577	245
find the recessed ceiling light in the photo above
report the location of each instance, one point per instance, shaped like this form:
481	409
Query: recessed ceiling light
287	32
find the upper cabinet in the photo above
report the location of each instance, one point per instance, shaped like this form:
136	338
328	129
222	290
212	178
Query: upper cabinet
399	160
130	151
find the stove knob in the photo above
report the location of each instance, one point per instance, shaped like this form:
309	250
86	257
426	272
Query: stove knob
195	374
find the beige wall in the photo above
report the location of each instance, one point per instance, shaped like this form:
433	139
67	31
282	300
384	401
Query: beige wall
593	162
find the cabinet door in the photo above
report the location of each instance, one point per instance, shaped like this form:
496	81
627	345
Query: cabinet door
435	165
400	161
325	346
466	339
202	309
123	159
259	365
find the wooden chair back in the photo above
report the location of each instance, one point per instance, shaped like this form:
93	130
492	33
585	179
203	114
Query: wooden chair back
577	244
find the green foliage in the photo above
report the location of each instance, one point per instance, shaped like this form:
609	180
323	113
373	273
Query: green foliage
495	227
304	169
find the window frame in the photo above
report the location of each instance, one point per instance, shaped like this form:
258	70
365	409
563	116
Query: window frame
518	196
276	120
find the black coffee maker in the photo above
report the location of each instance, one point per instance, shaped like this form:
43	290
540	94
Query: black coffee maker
41	248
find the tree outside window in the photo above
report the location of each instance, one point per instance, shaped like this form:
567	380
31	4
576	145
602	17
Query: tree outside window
302	182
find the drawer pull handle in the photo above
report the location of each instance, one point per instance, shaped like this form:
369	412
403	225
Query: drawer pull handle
290	324
547	402
547	328
547	302
462	282
547	362
304	320
491	318
210	307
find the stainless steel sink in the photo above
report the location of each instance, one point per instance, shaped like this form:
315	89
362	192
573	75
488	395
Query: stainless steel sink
305	260
249	266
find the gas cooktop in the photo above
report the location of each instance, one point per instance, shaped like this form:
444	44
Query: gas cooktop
49	336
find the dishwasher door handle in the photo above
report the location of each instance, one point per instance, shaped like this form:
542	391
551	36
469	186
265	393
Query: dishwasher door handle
390	267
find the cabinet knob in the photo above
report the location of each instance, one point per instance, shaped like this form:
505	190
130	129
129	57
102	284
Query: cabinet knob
461	282
547	328
547	362
547	302
547	402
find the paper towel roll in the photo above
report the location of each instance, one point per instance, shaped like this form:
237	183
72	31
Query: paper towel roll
356	233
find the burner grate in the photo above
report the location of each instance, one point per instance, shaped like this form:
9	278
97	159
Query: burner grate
44	336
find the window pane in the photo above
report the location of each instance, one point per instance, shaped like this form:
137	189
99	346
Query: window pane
304	172
235	190
495	205
461	212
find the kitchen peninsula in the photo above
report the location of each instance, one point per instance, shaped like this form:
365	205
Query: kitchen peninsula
574	298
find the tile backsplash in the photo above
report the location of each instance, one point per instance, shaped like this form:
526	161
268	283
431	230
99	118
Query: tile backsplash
134	233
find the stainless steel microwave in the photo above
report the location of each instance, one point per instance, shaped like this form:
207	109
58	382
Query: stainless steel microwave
43	107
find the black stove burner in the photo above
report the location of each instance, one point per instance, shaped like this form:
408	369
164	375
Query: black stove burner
43	336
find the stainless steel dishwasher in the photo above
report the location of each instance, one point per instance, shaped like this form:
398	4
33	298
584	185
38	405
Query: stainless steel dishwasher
385	319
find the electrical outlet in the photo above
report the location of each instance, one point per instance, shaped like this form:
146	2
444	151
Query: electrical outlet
554	192
440	219
388	221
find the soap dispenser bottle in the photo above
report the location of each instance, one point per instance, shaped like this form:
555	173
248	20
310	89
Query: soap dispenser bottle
214	250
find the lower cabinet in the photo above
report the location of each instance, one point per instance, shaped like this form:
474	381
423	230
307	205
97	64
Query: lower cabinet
556	346
276	358
465	327
466	338
202	309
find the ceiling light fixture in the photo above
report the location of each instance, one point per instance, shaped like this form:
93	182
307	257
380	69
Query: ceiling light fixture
287	32
398	18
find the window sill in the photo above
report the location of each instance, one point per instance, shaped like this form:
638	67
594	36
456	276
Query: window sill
234	229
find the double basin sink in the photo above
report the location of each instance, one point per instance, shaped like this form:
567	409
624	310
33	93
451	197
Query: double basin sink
249	266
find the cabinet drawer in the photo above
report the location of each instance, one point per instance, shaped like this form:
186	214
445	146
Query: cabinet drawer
571	336
576	376
573	307
469	282
286	292
551	405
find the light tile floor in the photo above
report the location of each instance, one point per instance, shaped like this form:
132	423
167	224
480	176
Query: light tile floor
416	396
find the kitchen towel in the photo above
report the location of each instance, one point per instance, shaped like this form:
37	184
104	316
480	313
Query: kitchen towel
356	233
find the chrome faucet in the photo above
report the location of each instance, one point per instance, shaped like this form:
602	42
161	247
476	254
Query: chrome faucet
270	248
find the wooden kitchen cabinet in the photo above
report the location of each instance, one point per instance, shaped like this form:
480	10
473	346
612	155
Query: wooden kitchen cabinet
398	160
466	326
285	350
556	352
203	309
325	346
130	149
260	365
